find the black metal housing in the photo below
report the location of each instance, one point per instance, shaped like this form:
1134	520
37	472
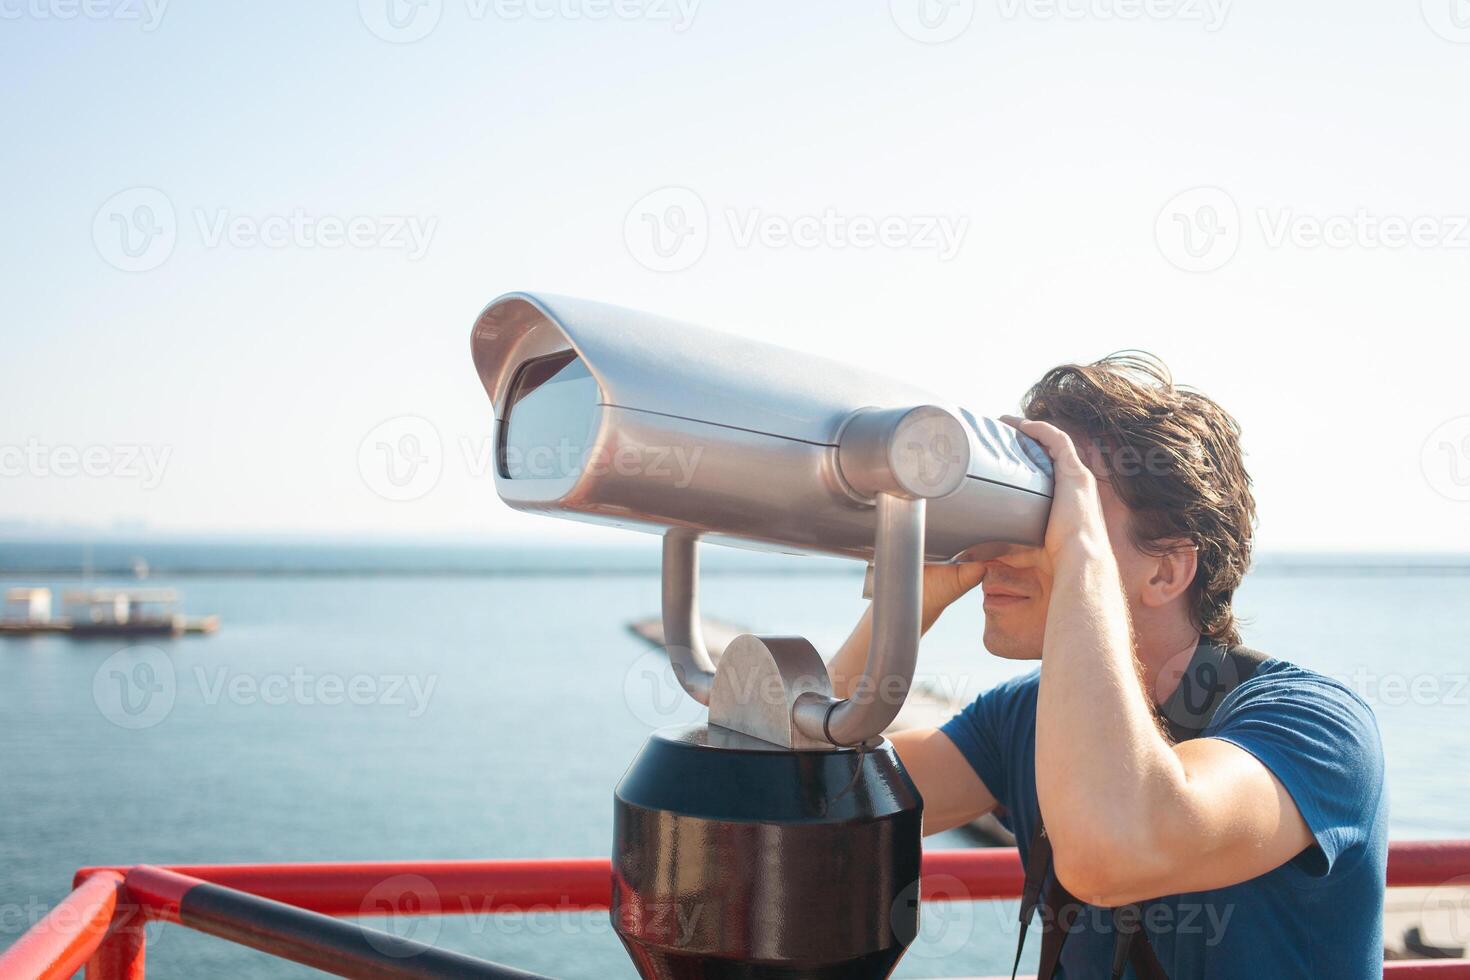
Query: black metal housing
735	858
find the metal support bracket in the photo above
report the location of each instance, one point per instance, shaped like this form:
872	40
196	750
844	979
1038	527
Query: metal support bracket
758	682
683	634
777	688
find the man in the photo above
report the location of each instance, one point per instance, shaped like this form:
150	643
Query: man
1256	850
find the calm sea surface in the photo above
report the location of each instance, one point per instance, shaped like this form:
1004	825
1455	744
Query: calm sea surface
403	702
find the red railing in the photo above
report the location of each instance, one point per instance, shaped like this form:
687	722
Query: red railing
282	908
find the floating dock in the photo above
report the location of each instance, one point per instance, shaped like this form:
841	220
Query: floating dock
100	613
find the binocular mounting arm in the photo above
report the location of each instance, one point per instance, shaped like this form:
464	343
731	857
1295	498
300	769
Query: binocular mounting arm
898	570
893	460
683	634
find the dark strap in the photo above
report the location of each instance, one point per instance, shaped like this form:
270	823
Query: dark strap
1131	946
1213	672
1038	862
1059	913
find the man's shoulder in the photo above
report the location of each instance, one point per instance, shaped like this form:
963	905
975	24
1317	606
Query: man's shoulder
1296	701
1282	680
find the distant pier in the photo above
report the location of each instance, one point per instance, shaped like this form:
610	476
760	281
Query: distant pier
100	613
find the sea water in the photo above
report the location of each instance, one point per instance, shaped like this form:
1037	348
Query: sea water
394	702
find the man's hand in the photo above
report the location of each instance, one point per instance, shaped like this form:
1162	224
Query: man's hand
1076	521
943	584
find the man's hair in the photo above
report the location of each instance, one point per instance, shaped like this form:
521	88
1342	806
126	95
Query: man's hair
1174	458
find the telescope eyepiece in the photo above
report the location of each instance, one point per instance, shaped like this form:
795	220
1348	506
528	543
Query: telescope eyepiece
920	453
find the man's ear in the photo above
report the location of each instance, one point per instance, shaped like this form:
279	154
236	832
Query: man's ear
1173	572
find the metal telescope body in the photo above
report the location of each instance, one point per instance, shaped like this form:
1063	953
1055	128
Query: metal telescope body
617	417
612	416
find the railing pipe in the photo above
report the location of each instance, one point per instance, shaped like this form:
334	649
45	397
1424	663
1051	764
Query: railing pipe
123	953
99	923
480	887
449	887
64	939
343	948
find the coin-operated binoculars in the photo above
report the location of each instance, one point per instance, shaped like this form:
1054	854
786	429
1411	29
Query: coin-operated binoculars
781	839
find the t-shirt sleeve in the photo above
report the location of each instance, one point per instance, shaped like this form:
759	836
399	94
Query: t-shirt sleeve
1321	741
983	734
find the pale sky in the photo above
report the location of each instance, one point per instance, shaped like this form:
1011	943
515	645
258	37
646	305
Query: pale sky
1272	197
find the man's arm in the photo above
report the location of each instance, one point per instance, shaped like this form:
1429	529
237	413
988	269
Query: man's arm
1131	816
953	794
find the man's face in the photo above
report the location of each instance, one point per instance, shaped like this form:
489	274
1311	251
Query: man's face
1018	591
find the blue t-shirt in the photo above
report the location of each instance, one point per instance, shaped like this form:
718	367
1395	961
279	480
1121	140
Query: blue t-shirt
1318	915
